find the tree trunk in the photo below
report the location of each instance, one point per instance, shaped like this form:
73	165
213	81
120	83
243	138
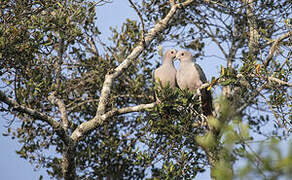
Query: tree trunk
68	164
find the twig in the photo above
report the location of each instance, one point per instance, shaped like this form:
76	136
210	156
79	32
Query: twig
252	96
141	19
211	34
71	108
93	47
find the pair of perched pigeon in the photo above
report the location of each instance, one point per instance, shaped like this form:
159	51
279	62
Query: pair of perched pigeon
189	76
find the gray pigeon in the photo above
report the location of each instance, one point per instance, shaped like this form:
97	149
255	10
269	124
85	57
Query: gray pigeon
166	73
191	76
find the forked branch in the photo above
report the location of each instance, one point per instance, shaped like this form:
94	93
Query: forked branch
101	115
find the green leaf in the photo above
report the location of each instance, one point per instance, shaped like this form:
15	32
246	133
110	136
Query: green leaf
60	5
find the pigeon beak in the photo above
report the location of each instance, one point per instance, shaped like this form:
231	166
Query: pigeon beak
176	58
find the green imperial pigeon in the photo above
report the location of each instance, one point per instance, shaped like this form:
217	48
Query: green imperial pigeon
191	76
165	74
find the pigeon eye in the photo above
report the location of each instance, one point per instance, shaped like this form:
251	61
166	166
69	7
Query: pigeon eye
172	52
182	54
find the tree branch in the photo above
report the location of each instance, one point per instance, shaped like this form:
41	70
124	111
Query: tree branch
35	114
59	63
283	83
212	36
62	109
32	112
251	97
98	120
274	47
128	109
76	104
112	74
269	78
92	45
141	19
253	31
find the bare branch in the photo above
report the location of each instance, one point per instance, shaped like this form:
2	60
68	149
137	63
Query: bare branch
274	47
91	42
141	19
283	83
231	55
212	36
128	110
172	2
35	114
62	109
253	31
98	120
252	96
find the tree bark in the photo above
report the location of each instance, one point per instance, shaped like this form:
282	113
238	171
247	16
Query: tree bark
68	163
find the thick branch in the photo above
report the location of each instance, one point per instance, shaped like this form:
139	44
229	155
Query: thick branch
68	161
59	64
253	32
98	120
230	59
62	109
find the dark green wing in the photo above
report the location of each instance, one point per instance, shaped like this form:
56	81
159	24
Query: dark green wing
201	73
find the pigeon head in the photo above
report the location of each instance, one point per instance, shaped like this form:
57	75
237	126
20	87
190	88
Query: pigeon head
169	55
184	55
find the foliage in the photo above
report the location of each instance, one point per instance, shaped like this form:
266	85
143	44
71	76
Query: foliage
53	50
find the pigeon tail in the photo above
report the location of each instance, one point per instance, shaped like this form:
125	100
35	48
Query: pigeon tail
207	105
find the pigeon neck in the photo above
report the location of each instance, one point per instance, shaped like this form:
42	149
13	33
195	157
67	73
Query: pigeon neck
186	63
167	62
